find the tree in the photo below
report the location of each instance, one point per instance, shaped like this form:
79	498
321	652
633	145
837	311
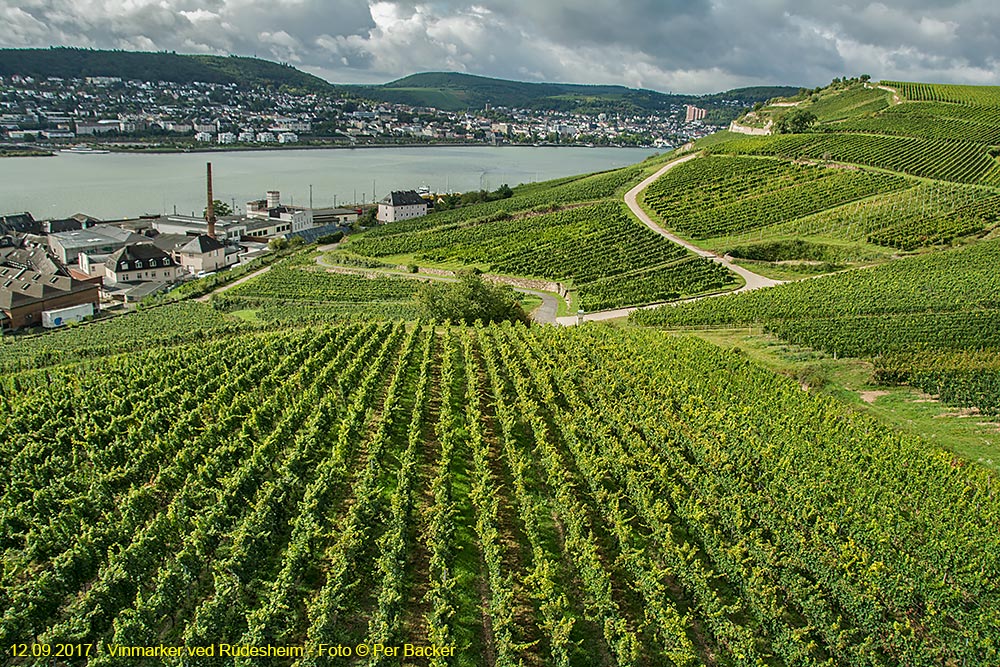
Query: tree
795	121
220	207
470	299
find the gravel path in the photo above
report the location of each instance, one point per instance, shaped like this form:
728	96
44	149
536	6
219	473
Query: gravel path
753	280
250	276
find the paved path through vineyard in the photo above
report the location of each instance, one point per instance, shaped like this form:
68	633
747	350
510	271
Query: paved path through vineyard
753	280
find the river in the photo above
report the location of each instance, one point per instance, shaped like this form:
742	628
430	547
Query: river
120	185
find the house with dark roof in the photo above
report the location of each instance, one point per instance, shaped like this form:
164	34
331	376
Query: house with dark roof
204	254
25	294
141	262
401	205
22	223
34	258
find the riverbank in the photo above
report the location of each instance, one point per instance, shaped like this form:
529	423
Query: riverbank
138	148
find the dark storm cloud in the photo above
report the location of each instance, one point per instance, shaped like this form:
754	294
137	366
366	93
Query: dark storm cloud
679	45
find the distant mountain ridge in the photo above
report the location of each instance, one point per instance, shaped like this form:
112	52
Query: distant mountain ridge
66	62
448	91
453	91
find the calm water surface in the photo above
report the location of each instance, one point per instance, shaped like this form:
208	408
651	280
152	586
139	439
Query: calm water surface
118	185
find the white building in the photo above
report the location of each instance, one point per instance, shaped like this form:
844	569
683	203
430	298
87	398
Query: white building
211	127
293	124
401	206
287	138
142	262
203	136
265	137
226	138
247	136
204	254
286	219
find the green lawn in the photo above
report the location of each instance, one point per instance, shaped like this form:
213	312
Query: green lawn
970	435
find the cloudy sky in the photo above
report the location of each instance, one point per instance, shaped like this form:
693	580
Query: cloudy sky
689	46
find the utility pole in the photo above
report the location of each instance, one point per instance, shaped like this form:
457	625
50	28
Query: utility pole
310	195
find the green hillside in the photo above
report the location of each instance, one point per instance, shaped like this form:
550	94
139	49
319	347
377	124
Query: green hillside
448	91
454	91
68	63
901	175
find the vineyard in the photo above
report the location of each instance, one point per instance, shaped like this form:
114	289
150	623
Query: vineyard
720	196
948	300
298	295
533	197
506	491
915	217
164	325
979	96
588	245
945	160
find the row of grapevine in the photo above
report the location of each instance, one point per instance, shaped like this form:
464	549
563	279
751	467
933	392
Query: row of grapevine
957	281
695	509
946	160
980	96
720	196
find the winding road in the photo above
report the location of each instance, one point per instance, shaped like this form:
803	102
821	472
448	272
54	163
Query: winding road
753	281
546	312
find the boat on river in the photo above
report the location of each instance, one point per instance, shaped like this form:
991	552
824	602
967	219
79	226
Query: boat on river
84	150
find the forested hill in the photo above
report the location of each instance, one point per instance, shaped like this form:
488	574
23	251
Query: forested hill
448	91
70	63
457	91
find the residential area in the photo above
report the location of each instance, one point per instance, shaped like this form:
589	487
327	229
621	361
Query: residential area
56	271
133	114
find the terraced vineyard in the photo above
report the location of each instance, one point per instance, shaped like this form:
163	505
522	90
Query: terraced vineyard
980	96
946	160
916	217
723	196
505	491
588	245
945	300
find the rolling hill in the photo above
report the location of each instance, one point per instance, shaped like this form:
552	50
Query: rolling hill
447	91
69	63
455	91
